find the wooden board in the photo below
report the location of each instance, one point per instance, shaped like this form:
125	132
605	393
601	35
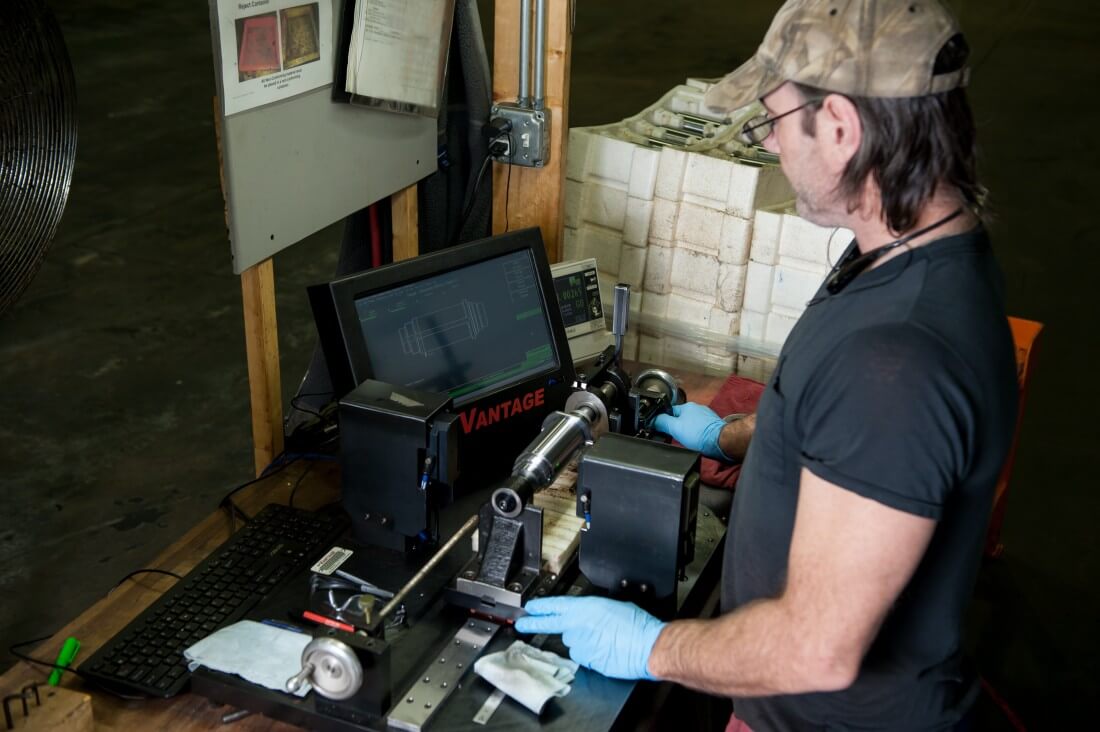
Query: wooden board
60	709
561	527
406	228
261	334
524	197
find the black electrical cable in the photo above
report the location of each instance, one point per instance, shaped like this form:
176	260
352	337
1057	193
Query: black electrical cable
319	414
236	512
290	501
285	460
473	196
78	672
136	572
507	195
498	130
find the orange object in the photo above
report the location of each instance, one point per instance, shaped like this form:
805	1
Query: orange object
1025	334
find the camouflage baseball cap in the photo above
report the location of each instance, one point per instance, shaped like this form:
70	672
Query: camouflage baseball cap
867	48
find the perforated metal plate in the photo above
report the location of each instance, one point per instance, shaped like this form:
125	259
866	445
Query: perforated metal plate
439	680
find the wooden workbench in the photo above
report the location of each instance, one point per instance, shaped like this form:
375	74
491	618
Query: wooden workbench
96	625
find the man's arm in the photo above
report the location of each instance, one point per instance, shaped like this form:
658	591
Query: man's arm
850	557
735	436
698	427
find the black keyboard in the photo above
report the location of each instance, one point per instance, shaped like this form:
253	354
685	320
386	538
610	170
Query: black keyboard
146	657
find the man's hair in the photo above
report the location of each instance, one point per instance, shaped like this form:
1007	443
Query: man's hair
910	145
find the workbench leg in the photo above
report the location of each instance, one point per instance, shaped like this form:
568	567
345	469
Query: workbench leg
525	197
261	336
406	229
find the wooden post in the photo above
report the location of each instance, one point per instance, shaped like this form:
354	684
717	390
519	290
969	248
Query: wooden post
525	197
261	337
406	230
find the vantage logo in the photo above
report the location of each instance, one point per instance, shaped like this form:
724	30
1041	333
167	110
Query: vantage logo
475	418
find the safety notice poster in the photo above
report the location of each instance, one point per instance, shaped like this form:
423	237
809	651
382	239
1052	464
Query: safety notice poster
273	49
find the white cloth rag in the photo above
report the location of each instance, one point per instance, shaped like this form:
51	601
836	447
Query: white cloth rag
262	654
527	674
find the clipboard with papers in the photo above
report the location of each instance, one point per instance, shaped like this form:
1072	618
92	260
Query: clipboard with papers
396	54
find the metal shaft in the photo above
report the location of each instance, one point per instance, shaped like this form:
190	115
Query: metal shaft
540	54
464	530
620	315
524	99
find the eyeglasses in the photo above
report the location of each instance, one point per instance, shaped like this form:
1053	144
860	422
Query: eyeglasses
757	129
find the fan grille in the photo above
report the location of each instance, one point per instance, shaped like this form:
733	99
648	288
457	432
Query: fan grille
37	139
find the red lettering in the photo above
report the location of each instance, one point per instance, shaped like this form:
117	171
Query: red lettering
475	419
467	420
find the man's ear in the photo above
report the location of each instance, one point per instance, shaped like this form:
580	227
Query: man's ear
839	130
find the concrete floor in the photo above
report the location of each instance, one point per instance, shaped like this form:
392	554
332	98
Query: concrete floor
125	409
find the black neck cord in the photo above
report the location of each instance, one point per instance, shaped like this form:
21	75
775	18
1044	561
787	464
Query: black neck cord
845	272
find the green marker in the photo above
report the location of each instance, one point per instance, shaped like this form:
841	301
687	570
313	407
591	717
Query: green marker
64	658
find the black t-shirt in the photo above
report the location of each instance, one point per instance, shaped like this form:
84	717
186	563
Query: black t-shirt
902	389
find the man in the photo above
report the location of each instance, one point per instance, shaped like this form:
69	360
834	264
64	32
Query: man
864	496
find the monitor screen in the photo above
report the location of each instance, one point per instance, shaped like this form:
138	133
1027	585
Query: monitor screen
468	321
578	292
464	332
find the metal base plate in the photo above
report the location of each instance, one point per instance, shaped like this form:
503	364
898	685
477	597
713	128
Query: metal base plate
441	678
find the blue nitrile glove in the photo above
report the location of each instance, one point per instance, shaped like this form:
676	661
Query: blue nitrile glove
694	426
611	637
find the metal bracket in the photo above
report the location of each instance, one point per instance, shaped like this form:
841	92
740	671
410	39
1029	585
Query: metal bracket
442	676
529	138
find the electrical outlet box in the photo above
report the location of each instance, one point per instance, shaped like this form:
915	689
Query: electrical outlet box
529	138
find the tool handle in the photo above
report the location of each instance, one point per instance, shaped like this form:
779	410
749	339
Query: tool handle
619	316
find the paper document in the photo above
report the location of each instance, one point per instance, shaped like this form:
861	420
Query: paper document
398	52
273	49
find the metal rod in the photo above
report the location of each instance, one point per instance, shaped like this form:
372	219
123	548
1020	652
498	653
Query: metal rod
465	529
540	54
619	316
524	98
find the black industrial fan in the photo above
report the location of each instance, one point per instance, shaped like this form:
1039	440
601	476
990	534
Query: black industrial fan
37	139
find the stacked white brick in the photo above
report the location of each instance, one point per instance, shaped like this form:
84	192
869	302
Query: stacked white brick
698	252
697	233
608	206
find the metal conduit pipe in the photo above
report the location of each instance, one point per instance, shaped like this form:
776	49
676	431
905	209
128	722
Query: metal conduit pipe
524	97
540	54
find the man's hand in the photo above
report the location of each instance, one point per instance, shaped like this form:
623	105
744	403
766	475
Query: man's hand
694	426
613	638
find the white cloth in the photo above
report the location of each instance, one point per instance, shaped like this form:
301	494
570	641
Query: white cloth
527	674
261	654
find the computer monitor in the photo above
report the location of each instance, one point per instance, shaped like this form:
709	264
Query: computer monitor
478	322
577	286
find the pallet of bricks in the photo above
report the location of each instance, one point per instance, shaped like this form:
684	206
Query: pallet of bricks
703	230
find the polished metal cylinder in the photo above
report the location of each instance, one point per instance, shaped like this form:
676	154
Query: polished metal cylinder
553	448
563	434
